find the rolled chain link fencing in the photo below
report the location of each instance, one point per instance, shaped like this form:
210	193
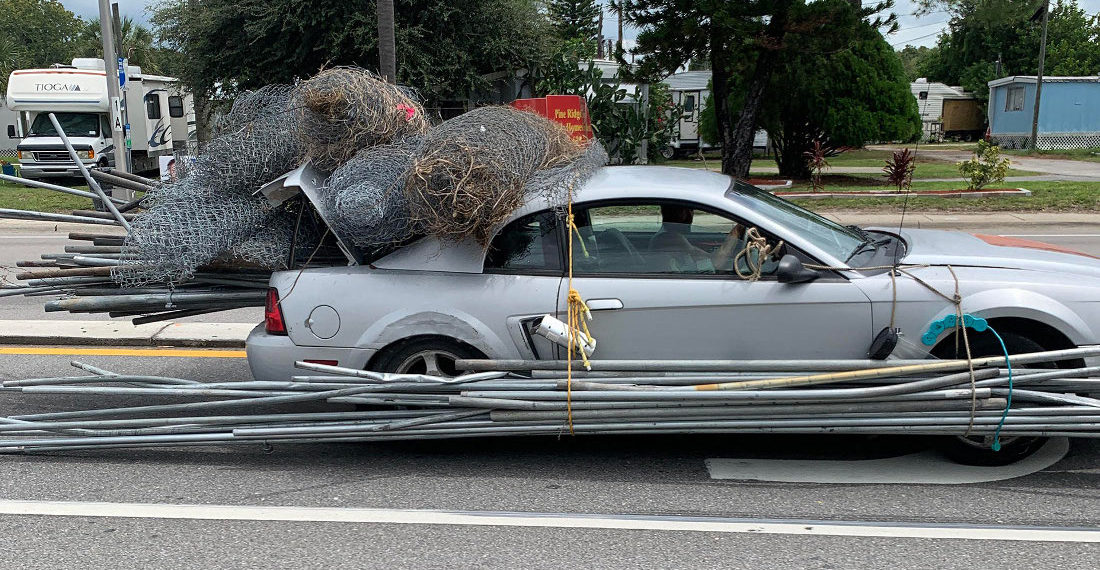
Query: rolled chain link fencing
393	177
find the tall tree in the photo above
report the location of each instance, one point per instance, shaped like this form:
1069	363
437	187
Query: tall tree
743	42
137	44
444	48
575	19
913	60
838	99
37	33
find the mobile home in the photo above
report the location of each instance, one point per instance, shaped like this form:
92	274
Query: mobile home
947	112
160	116
1069	112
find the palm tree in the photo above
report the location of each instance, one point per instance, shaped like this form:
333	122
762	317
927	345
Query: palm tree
137	44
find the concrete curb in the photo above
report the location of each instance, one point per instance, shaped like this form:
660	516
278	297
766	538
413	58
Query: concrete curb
897	195
123	333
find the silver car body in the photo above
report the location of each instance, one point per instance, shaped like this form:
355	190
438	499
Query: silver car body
430	288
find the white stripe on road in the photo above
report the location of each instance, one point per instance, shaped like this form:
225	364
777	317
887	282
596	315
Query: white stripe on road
549	520
925	468
1052	235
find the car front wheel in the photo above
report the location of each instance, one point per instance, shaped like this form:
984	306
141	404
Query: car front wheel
978	450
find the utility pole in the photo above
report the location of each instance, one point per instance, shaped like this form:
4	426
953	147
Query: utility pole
110	69
1045	9
120	47
387	44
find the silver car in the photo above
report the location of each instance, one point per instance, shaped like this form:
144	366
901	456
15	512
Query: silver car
656	257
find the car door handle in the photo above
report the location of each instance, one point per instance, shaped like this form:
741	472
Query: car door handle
603	304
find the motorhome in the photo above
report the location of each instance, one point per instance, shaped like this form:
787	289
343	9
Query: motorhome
159	112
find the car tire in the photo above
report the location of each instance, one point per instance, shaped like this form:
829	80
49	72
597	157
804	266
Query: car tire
978	450
433	356
668	153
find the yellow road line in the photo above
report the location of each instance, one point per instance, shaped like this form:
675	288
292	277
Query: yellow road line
151	352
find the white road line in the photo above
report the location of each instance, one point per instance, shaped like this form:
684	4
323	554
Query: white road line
925	468
1052	235
550	520
35	237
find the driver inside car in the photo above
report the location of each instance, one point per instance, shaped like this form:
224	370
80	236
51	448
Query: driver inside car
681	255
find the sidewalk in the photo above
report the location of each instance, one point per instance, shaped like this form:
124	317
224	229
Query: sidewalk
964	221
121	332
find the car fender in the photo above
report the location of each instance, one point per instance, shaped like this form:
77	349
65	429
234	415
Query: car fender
460	326
1021	303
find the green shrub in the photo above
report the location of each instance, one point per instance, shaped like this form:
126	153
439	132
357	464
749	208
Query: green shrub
985	167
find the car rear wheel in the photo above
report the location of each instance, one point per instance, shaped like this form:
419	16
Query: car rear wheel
432	356
978	450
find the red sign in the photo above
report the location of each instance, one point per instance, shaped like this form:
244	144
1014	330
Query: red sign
568	110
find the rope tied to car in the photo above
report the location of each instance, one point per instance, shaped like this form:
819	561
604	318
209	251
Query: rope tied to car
754	253
578	316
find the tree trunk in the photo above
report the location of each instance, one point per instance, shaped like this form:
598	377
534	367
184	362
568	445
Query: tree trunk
737	137
387	52
737	156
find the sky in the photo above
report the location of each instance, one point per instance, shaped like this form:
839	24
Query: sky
914	31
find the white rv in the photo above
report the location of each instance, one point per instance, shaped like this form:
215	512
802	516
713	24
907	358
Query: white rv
160	114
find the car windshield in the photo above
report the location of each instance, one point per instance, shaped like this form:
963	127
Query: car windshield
74	125
826	234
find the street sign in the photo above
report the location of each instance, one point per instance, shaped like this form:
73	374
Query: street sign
121	73
116	115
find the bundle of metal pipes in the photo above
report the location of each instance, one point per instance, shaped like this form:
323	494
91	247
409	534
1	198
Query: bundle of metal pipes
83	273
337	404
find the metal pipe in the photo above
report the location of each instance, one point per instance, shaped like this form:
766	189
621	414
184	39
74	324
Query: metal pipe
28	215
110	178
155	301
943	366
54	187
84	170
685	365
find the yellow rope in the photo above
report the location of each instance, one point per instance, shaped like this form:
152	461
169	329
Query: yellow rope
578	316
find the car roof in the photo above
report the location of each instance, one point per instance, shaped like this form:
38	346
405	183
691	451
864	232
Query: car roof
669	182
607	183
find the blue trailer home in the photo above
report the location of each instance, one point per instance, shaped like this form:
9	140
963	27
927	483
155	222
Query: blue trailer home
1069	112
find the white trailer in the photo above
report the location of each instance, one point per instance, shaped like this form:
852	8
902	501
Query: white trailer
9	121
160	114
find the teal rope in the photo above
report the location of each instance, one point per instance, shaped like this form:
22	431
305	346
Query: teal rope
978	324
1008	404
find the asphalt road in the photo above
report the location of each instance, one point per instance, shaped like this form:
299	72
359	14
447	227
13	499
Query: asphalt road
659	483
587	502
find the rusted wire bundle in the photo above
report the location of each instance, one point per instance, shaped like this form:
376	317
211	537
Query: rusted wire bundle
471	171
346	109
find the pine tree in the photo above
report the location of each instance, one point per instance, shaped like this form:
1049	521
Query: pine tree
575	19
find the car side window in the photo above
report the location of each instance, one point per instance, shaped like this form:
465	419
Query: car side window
670	239
527	245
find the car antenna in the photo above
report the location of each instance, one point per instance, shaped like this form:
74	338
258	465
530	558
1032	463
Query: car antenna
908	191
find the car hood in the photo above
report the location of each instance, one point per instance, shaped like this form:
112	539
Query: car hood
980	250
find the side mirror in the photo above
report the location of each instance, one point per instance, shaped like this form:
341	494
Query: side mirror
11	132
791	270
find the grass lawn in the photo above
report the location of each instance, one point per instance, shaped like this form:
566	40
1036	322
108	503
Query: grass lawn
19	197
1045	196
926	168
1089	154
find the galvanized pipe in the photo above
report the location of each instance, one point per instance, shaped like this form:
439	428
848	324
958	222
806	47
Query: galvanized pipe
84	171
54	187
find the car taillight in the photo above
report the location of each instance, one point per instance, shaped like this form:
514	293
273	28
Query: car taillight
273	314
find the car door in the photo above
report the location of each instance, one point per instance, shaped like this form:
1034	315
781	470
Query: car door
647	306
523	271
